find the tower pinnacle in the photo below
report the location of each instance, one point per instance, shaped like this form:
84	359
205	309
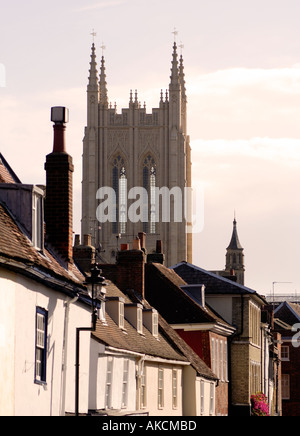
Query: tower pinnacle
92	84
102	83
174	70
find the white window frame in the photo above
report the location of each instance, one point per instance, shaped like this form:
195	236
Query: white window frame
121	314
155	323
109	381
213	356
125	383
175	388
212	399
37	221
202	387
143	390
160	390
139	320
285	357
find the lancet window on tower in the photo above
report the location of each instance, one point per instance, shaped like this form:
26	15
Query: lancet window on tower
119	182
149	184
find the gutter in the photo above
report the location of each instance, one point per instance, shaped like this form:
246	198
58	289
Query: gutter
30	271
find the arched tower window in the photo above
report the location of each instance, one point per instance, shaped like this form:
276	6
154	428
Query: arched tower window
149	183
119	184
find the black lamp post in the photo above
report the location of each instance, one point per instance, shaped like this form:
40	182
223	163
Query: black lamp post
95	286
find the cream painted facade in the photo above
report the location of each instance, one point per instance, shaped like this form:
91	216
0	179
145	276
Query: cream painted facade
153	386
20	394
136	149
128	382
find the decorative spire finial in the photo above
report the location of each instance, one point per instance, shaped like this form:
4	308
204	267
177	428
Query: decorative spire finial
103	47
94	34
175	33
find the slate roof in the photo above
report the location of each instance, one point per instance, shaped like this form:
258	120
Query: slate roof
214	284
163	291
289	313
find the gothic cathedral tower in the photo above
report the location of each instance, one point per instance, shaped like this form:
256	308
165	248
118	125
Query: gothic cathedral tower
123	151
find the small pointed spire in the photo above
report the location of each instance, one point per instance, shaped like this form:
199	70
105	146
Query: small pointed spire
103	84
136	97
130	99
174	70
93	85
234	243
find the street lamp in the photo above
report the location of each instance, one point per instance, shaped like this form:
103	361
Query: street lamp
95	284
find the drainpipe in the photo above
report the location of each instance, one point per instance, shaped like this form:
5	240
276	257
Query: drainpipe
67	305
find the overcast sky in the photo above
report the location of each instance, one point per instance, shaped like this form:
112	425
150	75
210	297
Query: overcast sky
242	67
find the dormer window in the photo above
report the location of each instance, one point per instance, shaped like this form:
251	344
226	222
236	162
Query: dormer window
115	309
37	220
134	314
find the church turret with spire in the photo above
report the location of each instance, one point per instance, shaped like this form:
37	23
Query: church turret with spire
132	149
235	256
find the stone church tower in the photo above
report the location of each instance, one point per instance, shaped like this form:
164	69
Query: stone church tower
136	149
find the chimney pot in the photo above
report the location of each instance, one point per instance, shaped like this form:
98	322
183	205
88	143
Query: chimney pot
159	247
124	247
136	244
142	237
87	240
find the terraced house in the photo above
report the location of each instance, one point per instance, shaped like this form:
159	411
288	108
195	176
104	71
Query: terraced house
252	353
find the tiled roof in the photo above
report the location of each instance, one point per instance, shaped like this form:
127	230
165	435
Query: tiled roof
168	346
14	245
129	339
214	284
6	173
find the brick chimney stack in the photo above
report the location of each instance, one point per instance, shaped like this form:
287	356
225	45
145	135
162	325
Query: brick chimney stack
131	269
59	189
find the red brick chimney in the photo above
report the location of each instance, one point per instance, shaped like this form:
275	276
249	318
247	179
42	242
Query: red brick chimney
130	269
59	190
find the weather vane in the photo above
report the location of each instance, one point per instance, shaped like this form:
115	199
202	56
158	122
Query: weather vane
181	47
175	33
103	47
94	34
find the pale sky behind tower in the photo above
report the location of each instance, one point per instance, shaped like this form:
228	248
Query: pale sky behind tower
242	70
